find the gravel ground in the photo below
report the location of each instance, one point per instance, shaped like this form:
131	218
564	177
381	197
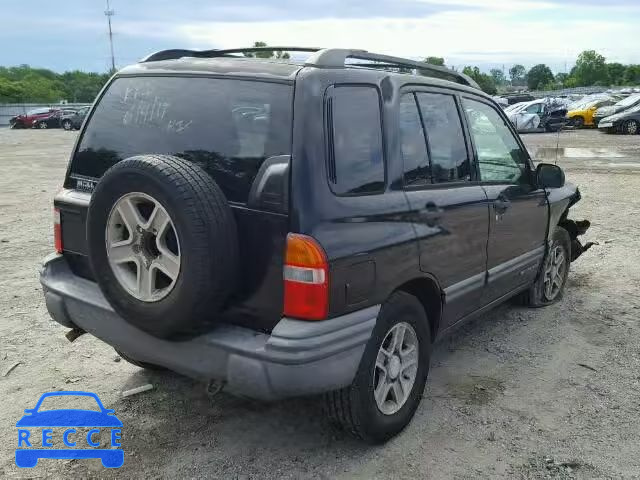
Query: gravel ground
518	393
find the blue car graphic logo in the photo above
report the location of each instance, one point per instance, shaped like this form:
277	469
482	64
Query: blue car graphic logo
32	447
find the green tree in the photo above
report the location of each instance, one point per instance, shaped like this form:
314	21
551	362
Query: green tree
632	75
561	78
484	81
615	72
26	84
267	53
590	69
498	76
538	76
517	74
439	61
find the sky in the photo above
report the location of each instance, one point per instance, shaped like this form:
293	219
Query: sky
489	33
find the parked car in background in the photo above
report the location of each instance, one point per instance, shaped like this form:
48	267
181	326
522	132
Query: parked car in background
74	121
55	118
28	119
627	121
545	115
581	115
514	98
624	104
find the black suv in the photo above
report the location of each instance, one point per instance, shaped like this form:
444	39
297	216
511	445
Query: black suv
287	229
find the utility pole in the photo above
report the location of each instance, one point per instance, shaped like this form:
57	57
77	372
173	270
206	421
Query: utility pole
110	13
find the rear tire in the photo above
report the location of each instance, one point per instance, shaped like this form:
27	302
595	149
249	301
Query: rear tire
66	124
355	407
540	294
578	122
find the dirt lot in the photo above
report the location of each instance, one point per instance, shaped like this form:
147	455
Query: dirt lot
549	393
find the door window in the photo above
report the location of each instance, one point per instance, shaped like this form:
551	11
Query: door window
500	158
413	146
447	148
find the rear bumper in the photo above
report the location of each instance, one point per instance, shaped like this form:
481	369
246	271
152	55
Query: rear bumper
297	358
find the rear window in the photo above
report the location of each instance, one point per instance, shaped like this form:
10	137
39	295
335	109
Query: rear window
229	127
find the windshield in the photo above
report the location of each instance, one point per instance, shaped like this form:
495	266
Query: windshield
38	111
228	126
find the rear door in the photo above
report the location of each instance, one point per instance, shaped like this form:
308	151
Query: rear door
519	210
449	211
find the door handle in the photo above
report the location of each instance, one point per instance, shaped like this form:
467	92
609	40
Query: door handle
501	204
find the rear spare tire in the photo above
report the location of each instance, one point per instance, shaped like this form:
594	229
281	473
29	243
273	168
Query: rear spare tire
162	243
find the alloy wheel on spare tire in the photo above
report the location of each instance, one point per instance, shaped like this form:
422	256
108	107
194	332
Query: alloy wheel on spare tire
162	243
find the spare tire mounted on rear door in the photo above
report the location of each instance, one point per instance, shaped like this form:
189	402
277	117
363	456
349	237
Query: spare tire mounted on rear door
162	243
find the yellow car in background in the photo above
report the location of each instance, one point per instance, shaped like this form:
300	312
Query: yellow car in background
581	115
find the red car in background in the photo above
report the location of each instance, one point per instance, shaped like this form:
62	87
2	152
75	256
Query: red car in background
27	120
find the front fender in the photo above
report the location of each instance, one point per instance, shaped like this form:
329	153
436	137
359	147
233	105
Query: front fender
560	201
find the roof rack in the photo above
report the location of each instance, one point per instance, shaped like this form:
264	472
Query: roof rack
179	53
326	58
336	58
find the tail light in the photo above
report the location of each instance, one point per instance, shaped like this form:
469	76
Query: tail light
306	279
57	230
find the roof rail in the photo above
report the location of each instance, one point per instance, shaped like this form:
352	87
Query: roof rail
325	58
174	54
336	57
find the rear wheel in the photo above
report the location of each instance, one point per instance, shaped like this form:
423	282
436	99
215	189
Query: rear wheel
391	377
549	287
631	127
66	124
578	122
43	125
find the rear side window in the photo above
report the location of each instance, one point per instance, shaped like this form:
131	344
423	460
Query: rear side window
449	158
229	127
356	163
413	146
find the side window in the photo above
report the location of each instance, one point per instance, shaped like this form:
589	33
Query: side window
537	108
413	146
447	148
500	157
356	160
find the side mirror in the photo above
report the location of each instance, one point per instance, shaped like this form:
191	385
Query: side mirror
549	176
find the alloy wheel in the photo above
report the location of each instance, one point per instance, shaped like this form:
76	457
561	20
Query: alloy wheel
554	272
142	247
396	368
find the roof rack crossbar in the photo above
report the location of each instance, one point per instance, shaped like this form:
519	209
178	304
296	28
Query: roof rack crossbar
174	54
336	58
